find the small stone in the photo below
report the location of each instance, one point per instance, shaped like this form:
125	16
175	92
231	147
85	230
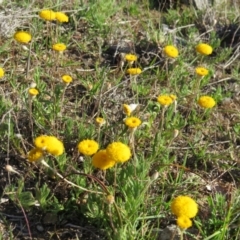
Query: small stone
171	232
40	228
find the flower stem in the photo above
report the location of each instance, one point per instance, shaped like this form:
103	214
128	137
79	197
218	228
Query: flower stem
181	235
162	120
67	181
131	142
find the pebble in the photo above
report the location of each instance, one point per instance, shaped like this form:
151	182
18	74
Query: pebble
40	228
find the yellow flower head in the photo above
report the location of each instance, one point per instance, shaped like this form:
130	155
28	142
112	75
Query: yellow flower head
132	122
35	154
118	152
22	37
201	71
61	17
102	161
130	57
204	49
171	51
67	79
100	121
184	206
206	102
59	47
47	15
166	100
184	222
134	71
173	97
128	109
33	91
88	147
41	142
49	144
1	72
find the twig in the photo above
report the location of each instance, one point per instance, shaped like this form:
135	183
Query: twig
235	55
67	181
25	217
221	80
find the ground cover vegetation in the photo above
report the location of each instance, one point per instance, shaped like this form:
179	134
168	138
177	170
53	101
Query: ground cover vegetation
119	120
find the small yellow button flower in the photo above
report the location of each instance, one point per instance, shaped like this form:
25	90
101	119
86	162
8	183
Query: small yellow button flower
33	92
41	142
59	47
118	152
173	97
206	102
67	79
102	161
22	37
130	57
201	71
49	144
132	122
204	49
35	154
166	100
88	147
184	206
61	17
134	71
100	121
184	222
1	72
171	51
128	109
55	146
47	15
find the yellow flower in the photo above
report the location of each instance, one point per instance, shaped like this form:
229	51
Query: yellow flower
102	161
22	37
118	152
201	71
171	51
204	49
61	17
88	147
128	109
41	142
33	91
132	122
100	121
173	97
184	206
130	57
134	71
49	144
47	15
55	146
184	222
59	47
206	102
35	154
66	79
1	72
166	100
